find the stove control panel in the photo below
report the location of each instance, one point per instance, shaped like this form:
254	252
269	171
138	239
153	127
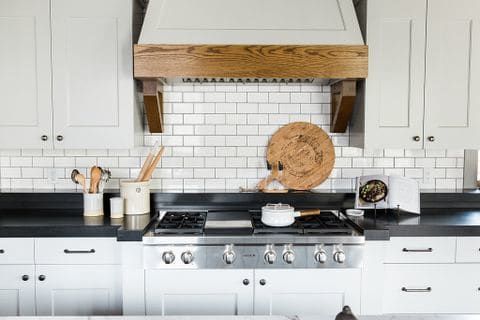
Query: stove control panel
236	256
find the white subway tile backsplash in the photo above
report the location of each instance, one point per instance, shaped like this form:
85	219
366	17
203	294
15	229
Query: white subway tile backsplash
225	108
216	137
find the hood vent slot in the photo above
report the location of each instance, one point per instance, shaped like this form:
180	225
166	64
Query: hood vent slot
246	80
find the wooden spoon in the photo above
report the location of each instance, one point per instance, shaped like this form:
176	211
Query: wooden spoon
78	178
95	176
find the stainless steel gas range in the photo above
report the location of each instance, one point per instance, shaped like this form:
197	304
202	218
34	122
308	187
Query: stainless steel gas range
237	239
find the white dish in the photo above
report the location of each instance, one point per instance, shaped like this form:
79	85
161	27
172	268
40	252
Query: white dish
354	212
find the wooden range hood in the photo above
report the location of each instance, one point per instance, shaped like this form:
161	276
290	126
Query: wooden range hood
185	49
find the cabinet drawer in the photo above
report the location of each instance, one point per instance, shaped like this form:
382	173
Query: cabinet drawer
421	250
468	249
76	251
418	288
16	251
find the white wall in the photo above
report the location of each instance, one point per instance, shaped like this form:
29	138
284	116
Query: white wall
216	137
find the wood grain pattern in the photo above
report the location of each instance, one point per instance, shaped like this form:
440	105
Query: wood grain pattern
251	61
153	101
343	94
306	152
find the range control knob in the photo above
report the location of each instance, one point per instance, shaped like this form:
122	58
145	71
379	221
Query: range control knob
270	256
187	257
320	256
168	257
288	256
229	255
339	256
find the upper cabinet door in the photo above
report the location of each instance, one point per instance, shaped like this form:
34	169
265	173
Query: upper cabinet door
93	95
452	102
394	102
25	85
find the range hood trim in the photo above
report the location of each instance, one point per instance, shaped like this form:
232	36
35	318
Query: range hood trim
250	61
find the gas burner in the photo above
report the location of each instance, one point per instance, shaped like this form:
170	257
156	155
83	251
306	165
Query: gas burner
188	222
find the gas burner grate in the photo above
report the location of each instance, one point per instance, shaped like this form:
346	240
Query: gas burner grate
326	224
182	223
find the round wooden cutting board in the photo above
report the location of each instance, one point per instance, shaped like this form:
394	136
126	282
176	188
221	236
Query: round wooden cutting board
306	152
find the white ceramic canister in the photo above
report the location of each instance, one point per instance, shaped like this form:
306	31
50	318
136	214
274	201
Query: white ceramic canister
136	195
93	204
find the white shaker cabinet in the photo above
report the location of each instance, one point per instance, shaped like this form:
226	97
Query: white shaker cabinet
394	88
199	292
17	290
67	74
78	290
306	292
25	74
93	87
452	102
424	69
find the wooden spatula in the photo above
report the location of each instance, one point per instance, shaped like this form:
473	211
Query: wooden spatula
95	176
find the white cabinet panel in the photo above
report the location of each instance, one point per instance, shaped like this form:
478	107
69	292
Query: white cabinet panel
469	285
452	104
306	292
77	251
394	88
421	250
198	292
468	249
424	288
25	85
92	73
68	290
16	251
17	290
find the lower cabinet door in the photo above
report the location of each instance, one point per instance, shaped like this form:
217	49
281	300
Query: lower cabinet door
199	292
78	290
305	292
17	290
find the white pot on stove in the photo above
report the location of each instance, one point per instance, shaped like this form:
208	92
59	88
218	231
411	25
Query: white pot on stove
283	215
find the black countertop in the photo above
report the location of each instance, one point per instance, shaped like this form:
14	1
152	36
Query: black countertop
60	214
65	223
431	222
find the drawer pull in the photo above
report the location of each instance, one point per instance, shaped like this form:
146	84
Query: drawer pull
78	251
427	289
417	250
2	251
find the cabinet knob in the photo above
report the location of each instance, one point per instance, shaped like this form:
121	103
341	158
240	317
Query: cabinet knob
416	138
59	138
25	277
44	138
263	282
2	251
246	282
431	138
42	277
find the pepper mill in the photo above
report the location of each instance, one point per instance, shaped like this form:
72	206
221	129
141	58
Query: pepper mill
346	314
